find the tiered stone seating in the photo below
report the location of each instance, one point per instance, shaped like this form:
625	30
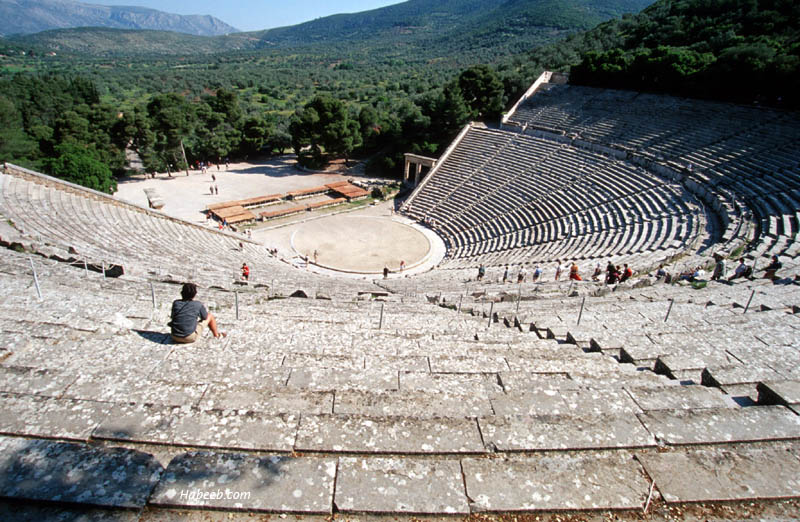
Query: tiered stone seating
742	160
314	406
509	398
98	229
503	197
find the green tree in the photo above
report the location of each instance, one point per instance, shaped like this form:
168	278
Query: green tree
80	165
324	123
482	91
255	134
15	145
172	119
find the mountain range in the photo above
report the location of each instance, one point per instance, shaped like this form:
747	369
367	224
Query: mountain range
448	26
33	16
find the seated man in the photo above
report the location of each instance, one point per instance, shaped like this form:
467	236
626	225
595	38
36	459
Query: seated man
772	268
742	270
189	317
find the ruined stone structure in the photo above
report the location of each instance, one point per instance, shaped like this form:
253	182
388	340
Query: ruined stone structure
434	394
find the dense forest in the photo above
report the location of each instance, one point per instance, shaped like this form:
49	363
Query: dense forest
73	114
740	50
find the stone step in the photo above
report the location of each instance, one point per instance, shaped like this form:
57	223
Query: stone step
35	416
398	435
725	376
47	471
722	425
722	474
400	486
786	393
564	432
181	426
234	481
555	482
680	397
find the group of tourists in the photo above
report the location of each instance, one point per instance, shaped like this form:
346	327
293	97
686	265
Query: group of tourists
720	272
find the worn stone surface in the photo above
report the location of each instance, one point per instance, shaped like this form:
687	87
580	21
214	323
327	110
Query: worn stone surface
411	404
256	483
468	364
315	362
30	512
735	473
402	364
522	381
63	472
22	379
47	417
599	401
234	397
451	383
677	427
386	485
533	402
137	423
738	375
581	364
556	482
679	397
779	392
332	379
233	429
122	389
564	432
356	434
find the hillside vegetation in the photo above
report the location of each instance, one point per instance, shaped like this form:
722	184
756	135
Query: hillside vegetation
374	84
742	50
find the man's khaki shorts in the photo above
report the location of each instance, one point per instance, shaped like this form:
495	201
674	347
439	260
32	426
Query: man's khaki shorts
198	333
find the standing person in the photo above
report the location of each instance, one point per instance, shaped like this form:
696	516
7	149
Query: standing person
521	275
573	272
719	268
402	265
216	189
537	273
598	271
505	274
386	272
190	317
316	256
213	177
245	272
481	272
559	269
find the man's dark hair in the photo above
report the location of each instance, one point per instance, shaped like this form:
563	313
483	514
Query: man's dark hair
188	291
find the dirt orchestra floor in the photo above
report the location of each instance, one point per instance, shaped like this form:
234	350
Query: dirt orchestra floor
358	243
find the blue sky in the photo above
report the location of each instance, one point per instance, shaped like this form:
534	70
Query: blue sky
252	15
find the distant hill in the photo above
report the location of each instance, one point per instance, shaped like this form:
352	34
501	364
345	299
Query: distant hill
426	28
447	19
33	16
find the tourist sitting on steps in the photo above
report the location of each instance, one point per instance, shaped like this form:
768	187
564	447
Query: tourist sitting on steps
742	270
772	268
190	317
573	272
